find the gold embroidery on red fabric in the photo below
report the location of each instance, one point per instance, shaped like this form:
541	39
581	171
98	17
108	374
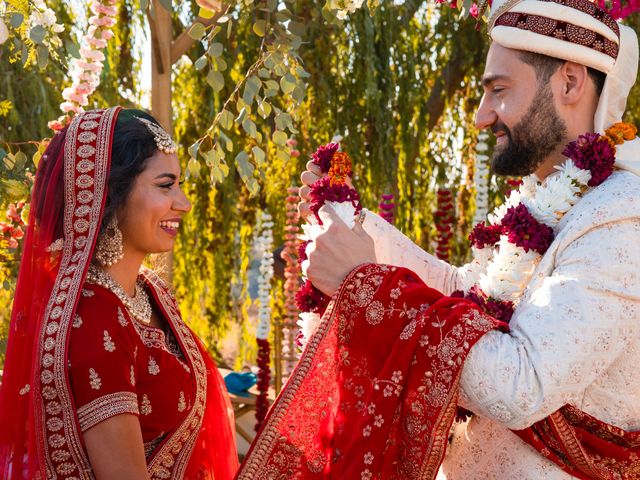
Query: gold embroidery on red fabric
55	409
105	407
171	459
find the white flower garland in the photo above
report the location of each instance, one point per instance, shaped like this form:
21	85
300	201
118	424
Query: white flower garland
481	179
264	246
504	272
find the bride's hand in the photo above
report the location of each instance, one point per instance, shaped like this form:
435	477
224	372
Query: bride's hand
310	176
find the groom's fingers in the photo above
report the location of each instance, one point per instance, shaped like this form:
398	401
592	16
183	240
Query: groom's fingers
313	168
309	178
304	193
330	219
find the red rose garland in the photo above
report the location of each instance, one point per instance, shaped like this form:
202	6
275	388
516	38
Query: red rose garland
444	223
386	207
264	380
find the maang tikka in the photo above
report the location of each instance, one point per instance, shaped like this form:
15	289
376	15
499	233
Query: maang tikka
163	139
109	249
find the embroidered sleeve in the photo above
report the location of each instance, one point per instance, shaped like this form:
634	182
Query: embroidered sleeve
394	248
570	336
102	362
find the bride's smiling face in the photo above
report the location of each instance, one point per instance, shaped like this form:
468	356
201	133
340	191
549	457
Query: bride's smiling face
151	216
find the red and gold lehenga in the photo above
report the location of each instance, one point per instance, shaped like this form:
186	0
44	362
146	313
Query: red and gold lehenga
375	393
75	357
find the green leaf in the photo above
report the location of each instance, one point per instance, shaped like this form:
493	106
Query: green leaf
241	115
166	4
16	19
288	83
299	93
259	156
260	28
216	80
251	88
144	4
193	168
279	138
302	73
297	28
37	33
249	126
264	73
228	143
246	169
20	160
271	88
264	109
197	31
42	55
217	165
216	49
193	149
226	119
201	63
73	48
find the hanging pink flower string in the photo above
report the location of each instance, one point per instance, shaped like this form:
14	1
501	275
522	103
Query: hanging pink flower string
85	71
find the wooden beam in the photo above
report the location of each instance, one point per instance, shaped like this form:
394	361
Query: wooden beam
183	42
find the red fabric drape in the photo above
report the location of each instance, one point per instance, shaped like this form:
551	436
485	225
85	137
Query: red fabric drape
374	394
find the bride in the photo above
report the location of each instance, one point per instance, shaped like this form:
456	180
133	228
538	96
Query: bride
103	379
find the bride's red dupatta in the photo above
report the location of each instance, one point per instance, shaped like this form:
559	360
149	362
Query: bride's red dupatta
375	392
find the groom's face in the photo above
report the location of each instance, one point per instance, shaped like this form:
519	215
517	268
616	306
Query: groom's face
520	111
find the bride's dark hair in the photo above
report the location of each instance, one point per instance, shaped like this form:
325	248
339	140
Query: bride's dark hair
133	144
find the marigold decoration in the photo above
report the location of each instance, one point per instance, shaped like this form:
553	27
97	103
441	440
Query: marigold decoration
481	179
386	208
291	284
507	250
333	191
264	246
444	223
85	71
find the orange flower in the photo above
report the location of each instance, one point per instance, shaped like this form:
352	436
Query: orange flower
621	131
340	168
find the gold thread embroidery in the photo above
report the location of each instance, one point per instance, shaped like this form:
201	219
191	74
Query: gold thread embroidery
154	369
109	346
182	403
106	407
145	407
94	379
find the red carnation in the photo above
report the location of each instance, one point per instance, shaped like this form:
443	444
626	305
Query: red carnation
310	299
302	251
525	231
498	309
594	153
323	155
324	191
484	235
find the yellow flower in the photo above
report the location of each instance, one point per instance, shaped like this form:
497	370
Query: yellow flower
340	168
621	131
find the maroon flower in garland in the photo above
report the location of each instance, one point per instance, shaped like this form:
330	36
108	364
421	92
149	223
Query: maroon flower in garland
302	251
484	235
322	157
498	309
264	379
324	191
310	299
525	231
386	207
594	153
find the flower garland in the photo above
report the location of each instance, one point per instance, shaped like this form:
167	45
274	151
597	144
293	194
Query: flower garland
85	71
444	223
334	191
386	207
291	284
13	231
264	247
481	179
519	232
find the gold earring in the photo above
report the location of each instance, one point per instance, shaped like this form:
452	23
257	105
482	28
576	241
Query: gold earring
109	246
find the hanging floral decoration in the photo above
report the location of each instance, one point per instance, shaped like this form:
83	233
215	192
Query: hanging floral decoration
343	8
481	179
386	208
292	143
85	71
508	248
444	223
264	247
12	230
291	284
334	191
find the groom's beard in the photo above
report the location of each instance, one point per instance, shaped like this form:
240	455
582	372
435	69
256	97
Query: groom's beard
531	140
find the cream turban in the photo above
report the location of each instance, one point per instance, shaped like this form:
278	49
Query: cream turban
578	31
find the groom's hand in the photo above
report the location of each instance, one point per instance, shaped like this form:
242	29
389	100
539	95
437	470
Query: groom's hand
336	252
310	176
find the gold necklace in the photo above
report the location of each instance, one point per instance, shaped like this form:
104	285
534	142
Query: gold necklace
139	306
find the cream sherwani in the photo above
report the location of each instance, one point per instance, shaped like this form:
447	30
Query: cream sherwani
575	336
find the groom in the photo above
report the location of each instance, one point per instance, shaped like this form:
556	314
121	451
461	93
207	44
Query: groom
555	70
